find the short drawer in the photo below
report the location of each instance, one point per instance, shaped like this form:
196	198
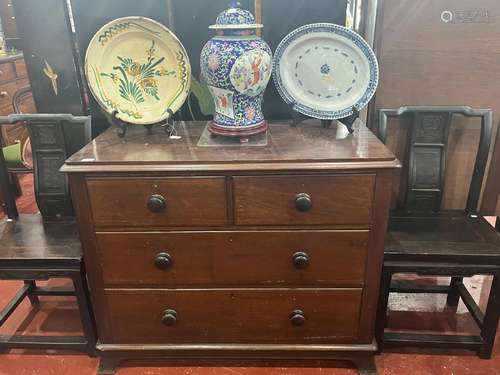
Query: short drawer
7	72
157	202
263	258
302	200
234	315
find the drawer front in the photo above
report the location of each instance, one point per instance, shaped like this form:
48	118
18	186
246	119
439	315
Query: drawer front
156	202
263	258
7	72
302	200
239	315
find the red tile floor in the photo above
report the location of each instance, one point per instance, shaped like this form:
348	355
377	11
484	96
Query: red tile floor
58	315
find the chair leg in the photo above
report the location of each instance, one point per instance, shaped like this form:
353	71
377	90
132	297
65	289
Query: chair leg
86	315
385	286
454	296
32	297
16	185
490	322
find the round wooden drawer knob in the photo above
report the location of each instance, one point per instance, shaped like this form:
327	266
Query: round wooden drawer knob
169	317
297	318
300	260
157	203
303	202
163	261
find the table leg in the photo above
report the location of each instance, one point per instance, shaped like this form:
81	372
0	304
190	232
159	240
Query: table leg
32	297
86	315
385	286
490	322
453	296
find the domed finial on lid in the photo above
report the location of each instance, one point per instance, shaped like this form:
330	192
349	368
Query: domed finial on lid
235	18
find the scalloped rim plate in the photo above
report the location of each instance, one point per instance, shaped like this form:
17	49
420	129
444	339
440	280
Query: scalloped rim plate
324	70
138	67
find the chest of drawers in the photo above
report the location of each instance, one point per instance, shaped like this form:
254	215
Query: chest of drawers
270	251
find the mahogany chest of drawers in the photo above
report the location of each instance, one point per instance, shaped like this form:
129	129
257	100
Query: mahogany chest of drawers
247	251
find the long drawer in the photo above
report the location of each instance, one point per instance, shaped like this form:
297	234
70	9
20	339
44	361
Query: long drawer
261	258
237	315
187	201
304	200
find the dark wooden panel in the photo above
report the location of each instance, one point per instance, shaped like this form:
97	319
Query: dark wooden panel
281	17
426	61
239	315
272	200
48	42
262	258
189	201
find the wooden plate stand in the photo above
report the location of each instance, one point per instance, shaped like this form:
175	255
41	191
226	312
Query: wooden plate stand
123	126
348	121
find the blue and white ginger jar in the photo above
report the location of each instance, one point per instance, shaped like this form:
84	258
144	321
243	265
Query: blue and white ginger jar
236	64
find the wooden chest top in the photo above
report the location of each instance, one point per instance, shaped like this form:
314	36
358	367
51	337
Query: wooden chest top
308	146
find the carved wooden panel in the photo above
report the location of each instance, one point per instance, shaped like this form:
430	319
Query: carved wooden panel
427	152
49	154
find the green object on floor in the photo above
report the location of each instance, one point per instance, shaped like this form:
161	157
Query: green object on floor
13	156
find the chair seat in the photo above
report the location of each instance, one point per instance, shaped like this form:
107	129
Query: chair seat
32	241
448	237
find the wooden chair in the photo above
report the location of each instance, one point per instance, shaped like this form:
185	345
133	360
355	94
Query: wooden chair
34	248
426	240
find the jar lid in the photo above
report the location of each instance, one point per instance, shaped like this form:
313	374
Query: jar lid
235	18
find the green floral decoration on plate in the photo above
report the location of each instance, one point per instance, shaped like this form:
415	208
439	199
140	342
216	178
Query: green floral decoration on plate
136	80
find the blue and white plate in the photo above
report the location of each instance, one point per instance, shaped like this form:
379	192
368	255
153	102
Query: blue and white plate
325	70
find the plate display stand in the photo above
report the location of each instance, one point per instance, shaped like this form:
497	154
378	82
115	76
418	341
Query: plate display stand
123	125
298	117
